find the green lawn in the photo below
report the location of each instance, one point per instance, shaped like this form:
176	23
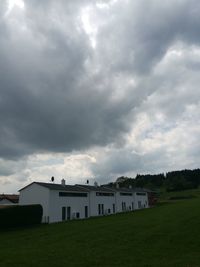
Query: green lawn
168	235
186	193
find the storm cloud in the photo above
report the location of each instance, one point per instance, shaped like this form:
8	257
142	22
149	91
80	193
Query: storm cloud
115	81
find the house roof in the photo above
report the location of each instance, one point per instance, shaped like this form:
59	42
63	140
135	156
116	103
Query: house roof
125	190
12	198
128	190
138	189
60	187
94	188
85	188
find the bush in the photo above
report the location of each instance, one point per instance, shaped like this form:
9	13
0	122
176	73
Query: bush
14	216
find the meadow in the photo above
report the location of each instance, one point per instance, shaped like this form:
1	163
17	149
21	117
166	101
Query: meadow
166	235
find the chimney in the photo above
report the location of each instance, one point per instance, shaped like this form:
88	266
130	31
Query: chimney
95	184
117	185
63	182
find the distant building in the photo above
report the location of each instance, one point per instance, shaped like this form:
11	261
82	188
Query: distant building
62	202
152	197
8	199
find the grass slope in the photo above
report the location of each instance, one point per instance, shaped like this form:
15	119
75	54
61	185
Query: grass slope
168	235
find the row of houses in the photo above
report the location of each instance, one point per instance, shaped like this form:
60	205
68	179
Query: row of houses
62	202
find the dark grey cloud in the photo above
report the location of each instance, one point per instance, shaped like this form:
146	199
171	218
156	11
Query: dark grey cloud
58	93
49	99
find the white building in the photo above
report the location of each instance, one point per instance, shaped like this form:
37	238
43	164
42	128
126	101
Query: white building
128	199
125	199
62	202
102	200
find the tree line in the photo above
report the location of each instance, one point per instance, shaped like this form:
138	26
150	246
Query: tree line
171	181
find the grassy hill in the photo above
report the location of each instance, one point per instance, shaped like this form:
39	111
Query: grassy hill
168	235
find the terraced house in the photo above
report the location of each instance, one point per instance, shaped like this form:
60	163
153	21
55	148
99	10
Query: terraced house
62	202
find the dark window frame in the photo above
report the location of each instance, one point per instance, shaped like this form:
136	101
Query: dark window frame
104	194
141	194
126	194
72	194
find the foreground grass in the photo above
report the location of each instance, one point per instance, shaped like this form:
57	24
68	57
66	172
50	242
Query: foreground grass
168	235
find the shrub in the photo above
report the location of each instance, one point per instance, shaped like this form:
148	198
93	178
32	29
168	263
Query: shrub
14	216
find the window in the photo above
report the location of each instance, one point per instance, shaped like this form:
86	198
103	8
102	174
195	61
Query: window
104	194
141	194
126	194
72	194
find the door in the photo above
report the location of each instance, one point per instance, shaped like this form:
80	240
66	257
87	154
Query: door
68	213
113	208
102	209
63	213
86	211
99	209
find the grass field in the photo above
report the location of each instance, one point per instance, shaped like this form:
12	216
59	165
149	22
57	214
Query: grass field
168	235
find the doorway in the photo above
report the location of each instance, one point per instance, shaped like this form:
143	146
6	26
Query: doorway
68	213
63	213
86	211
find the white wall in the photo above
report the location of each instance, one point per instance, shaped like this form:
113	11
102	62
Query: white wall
36	194
128	200
53	204
141	201
107	202
56	203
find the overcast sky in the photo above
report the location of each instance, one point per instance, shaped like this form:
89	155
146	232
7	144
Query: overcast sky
97	89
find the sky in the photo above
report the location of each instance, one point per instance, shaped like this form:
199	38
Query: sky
97	89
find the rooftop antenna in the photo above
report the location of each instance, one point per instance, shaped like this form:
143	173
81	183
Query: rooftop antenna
87	182
52	179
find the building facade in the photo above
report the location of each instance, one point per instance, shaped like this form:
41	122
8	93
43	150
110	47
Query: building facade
62	202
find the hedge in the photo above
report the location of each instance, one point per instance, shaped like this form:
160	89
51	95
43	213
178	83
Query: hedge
14	216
